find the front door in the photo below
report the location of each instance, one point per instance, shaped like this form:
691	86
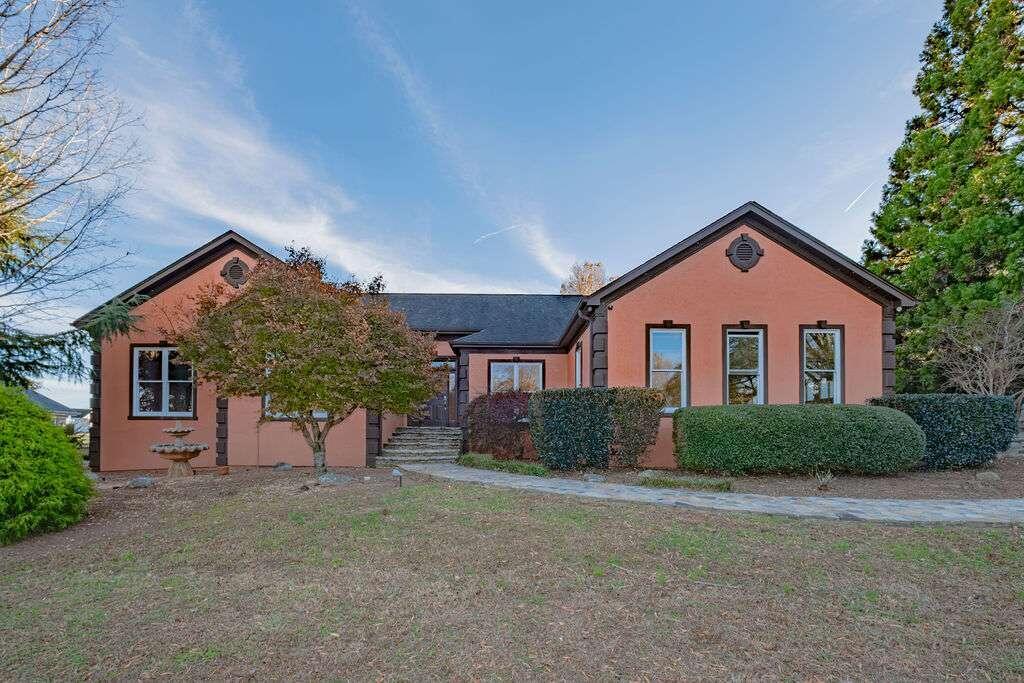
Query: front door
438	411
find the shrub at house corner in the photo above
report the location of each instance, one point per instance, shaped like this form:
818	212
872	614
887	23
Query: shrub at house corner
43	486
315	350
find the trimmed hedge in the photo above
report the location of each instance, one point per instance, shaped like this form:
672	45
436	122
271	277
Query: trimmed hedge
577	428
43	486
486	462
960	430
496	424
797	439
571	428
636	414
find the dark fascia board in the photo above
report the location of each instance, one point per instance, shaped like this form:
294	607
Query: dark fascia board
185	266
780	230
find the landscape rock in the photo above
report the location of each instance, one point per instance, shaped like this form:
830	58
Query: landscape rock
92	475
987	476
594	478
332	479
651	474
142	482
282	467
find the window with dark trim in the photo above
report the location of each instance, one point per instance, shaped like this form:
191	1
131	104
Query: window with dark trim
515	375
668	364
744	365
578	364
821	364
162	385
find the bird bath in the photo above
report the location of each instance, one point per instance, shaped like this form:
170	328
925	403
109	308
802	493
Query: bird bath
179	452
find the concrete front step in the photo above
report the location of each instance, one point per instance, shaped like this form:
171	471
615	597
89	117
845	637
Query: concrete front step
427	443
416	452
406	459
429	431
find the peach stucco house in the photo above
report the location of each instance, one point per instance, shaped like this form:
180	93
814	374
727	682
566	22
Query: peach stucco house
748	309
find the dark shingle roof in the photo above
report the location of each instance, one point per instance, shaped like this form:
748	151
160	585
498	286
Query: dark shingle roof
47	403
491	319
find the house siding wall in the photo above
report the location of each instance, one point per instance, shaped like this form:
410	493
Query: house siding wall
125	442
705	291
557	369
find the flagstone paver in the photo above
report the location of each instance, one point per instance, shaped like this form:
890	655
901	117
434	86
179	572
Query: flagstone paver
1006	511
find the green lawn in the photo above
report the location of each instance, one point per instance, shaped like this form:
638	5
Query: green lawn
247	575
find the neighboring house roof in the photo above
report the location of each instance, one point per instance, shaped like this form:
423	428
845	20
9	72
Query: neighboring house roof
185	266
48	404
492	319
776	228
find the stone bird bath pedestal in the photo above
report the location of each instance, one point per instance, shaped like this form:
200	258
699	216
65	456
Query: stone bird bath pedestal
179	452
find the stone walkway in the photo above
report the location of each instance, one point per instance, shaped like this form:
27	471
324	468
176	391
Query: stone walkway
1004	511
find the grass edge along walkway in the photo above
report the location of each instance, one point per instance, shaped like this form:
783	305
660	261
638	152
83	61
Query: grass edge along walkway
1000	511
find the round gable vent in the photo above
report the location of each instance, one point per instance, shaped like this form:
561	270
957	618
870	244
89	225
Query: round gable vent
744	252
235	272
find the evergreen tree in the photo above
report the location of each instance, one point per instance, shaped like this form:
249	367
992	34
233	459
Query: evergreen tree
950	228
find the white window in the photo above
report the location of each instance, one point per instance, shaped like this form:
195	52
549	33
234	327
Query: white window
744	366
821	357
579	365
516	376
162	386
666	365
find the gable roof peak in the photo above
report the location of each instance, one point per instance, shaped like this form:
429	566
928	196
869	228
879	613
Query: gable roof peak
762	219
185	266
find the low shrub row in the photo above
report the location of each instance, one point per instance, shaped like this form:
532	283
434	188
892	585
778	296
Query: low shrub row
586	427
43	486
960	430
797	439
486	462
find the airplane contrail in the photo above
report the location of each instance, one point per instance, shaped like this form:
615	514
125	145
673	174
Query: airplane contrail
489	235
863	192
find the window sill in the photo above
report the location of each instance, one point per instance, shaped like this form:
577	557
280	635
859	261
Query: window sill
190	416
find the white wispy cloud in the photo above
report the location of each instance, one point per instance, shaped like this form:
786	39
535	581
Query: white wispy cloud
533	234
211	155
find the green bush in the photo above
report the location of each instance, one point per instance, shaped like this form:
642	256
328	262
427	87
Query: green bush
571	428
486	462
576	428
496	424
797	439
636	414
960	430
42	484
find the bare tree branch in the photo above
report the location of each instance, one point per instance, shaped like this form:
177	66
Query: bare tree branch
66	152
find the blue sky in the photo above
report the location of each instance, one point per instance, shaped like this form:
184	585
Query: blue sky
470	146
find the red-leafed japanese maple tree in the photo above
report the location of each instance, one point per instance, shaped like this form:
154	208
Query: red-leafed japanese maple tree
313	350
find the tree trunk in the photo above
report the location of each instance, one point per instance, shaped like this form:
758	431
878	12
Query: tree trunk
319	459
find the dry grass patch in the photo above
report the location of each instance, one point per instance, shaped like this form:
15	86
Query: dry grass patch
247	576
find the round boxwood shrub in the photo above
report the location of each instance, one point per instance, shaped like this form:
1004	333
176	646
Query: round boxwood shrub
496	424
797	439
43	486
960	430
